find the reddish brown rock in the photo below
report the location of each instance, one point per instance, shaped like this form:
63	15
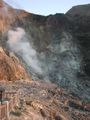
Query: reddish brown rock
10	68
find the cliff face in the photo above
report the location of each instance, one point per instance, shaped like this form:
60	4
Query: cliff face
8	16
80	18
53	48
79	10
10	67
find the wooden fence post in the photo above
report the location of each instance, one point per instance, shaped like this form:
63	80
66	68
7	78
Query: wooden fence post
5	109
7	103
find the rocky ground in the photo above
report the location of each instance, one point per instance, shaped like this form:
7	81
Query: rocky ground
45	101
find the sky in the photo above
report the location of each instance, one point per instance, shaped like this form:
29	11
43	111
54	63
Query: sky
46	7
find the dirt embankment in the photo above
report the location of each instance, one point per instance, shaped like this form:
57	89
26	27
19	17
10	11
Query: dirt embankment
10	67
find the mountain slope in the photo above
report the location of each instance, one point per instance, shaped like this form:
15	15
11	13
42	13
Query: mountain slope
80	10
10	67
81	29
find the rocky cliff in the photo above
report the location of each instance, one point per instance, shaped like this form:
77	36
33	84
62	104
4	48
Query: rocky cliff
79	16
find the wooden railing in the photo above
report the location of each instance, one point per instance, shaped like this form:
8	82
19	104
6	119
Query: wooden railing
7	106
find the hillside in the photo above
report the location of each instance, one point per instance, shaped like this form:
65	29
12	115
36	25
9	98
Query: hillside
81	30
46	59
80	10
11	68
52	48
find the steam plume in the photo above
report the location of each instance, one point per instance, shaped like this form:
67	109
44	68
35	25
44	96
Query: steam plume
60	65
19	44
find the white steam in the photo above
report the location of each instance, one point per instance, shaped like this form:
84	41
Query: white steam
60	64
19	44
